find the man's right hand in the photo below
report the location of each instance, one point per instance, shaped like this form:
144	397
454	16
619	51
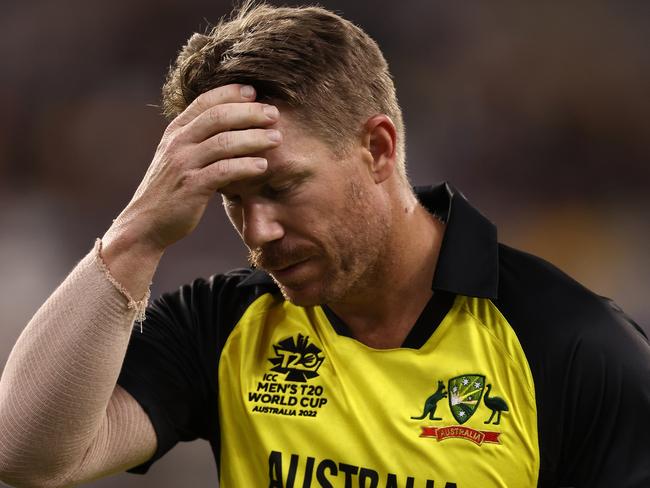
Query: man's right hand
206	147
203	149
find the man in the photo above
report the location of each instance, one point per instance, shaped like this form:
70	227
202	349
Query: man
383	339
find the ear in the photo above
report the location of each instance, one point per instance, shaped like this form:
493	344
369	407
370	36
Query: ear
379	143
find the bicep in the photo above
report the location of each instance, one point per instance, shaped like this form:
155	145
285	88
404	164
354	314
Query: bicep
125	439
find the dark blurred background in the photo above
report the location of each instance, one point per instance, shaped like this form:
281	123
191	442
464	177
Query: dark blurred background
538	111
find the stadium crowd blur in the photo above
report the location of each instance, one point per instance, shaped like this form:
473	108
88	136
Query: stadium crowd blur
538	111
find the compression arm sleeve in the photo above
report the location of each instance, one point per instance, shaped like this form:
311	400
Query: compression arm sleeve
62	418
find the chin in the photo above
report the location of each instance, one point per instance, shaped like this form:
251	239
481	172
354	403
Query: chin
311	286
302	297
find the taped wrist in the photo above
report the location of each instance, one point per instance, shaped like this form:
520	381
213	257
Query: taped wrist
139	306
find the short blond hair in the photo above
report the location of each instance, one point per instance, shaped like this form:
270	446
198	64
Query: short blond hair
329	71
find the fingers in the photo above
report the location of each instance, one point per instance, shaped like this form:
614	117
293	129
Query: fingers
224	94
229	116
217	175
222	123
227	145
216	136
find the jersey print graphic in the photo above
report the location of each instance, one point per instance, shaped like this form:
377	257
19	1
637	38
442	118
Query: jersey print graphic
496	404
464	395
298	359
283	390
466	392
431	403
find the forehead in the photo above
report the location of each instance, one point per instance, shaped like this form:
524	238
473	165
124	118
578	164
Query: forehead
297	136
301	153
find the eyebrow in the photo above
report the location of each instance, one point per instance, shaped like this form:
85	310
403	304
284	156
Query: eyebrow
286	171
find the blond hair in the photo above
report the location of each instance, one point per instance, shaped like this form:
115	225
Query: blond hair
324	67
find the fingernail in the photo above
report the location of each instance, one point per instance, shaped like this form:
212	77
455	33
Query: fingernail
271	112
261	163
274	135
247	91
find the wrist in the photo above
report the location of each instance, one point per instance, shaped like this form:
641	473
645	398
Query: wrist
126	235
130	258
139	306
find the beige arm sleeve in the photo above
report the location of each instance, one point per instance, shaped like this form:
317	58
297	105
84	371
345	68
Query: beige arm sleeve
63	420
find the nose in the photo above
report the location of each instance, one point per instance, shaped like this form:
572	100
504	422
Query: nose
260	225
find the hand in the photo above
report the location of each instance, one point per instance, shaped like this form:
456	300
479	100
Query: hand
204	148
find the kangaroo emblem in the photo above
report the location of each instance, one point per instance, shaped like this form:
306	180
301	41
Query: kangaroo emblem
432	402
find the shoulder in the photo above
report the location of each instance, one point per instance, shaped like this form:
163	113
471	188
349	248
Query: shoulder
591	367
559	321
539	299
206	310
219	297
241	281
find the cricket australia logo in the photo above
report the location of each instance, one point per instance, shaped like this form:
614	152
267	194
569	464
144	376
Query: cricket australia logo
297	358
464	394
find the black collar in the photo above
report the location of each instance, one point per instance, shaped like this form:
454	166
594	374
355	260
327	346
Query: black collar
468	263
257	277
468	260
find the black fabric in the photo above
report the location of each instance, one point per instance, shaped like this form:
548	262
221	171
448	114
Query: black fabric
468	262
591	368
436	310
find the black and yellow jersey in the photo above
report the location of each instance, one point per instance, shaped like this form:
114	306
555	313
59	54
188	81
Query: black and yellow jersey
513	376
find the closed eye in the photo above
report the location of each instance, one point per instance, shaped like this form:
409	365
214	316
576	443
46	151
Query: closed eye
278	191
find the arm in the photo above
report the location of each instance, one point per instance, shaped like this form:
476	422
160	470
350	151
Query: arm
62	418
57	397
608	406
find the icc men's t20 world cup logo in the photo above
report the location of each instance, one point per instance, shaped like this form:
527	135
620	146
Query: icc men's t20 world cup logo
297	358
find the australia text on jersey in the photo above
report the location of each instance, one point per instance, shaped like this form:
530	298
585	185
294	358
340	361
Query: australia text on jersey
325	473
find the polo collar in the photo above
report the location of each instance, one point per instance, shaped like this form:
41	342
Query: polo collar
468	263
257	277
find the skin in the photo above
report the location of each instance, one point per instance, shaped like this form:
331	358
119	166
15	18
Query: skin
309	220
341	229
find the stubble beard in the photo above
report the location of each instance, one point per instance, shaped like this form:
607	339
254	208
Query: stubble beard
353	251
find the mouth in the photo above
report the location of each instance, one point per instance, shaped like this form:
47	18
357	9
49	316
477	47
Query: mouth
282	273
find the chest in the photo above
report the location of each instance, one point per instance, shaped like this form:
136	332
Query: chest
301	406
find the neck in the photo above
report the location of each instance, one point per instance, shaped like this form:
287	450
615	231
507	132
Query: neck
393	298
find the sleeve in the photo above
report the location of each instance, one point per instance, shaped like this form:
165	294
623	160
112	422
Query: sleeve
171	367
591	367
607	405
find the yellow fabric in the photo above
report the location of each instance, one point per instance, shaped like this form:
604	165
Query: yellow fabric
358	430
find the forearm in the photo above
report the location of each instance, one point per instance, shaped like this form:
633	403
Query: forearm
62	372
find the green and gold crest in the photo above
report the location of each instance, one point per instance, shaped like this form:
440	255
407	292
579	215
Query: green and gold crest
465	393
